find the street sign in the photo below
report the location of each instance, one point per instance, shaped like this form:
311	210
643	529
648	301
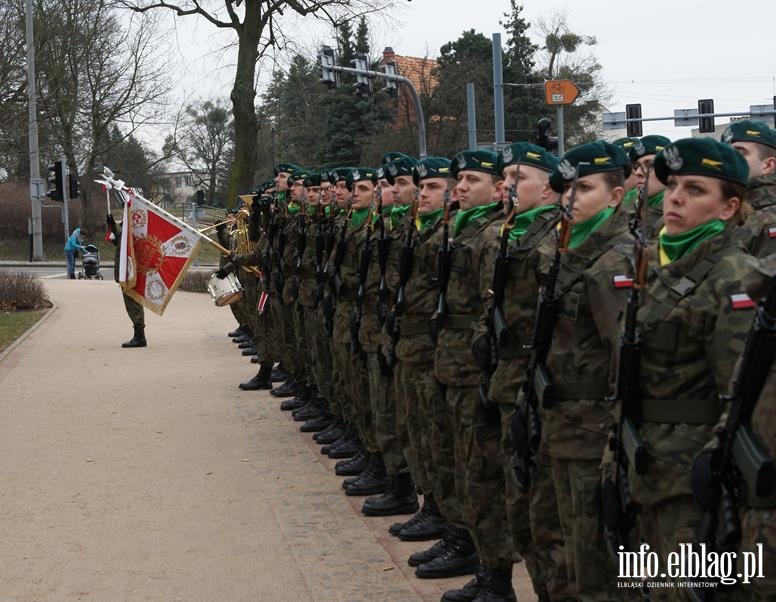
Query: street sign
614	121
38	188
685	117
560	92
758	113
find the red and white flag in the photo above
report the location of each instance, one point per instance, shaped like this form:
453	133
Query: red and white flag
156	251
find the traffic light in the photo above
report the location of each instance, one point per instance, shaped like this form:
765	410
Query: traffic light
328	75
543	137
705	124
200	197
73	186
390	85
633	128
363	83
55	177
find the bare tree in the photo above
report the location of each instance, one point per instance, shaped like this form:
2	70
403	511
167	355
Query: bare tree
259	28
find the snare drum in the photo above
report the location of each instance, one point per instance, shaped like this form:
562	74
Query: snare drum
225	291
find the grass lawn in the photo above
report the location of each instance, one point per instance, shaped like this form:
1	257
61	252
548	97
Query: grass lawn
14	324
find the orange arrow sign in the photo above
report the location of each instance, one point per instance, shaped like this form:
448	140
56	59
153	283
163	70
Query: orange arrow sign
560	92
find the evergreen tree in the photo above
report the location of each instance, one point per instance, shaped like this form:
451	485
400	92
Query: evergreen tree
362	37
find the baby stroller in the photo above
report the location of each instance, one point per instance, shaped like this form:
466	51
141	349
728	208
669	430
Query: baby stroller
90	262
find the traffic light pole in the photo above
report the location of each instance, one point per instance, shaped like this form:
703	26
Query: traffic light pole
36	184
422	153
65	198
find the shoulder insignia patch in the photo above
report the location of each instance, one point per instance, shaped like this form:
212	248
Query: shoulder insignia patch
622	281
772	232
741	301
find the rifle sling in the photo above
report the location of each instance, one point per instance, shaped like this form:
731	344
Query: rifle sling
575	390
681	411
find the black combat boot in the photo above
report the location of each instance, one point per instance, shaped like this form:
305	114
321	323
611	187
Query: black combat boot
294	403
138	338
352	466
430	525
279	374
246	343
236	332
330	434
459	558
399	499
261	380
317	424
468	592
255	359
346	447
497	586
287	389
311	410
242	338
427	555
248	351
372	481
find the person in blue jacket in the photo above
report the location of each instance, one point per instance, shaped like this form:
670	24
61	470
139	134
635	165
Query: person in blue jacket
72	245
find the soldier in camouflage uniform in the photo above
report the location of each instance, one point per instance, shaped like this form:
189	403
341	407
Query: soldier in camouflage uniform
757	144
693	324
417	392
630	187
580	365
400	496
134	309
641	155
477	449
526	167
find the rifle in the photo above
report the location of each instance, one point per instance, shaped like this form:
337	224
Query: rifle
497	323
363	270
320	249
628	446
444	255
329	301
272	228
538	384
301	234
739	463
406	260
382	258
282	238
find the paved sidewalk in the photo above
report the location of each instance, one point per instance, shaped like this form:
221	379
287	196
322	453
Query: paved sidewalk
144	474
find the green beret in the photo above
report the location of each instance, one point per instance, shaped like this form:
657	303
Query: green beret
749	130
360	173
338	173
298	175
479	160
590	158
625	143
525	153
701	157
431	167
648	145
287	167
397	164
313	178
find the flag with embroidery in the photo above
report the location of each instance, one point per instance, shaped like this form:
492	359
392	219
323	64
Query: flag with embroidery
156	251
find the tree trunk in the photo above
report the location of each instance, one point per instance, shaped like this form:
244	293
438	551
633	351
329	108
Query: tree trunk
243	96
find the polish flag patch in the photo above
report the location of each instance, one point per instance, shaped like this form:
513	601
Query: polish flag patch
741	301
622	281
772	232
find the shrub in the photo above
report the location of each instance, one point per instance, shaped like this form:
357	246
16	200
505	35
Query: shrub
22	290
195	281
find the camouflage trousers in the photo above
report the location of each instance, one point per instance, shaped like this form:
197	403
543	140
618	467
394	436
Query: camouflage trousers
442	448
758	526
479	475
383	407
534	522
590	570
285	338
320	353
135	311
417	393
303	347
351	378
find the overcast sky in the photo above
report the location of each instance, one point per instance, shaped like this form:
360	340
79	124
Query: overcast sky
663	54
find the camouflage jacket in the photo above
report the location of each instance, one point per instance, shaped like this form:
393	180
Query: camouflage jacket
348	277
764	415
520	294
307	266
758	233
582	357
289	228
693	327
422	293
470	277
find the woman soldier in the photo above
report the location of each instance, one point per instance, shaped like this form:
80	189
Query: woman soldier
692	324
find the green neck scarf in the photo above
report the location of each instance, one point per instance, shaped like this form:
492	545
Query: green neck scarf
629	200
397	213
463	218
656	200
357	218
673	247
424	220
525	219
293	207
580	232
327	210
